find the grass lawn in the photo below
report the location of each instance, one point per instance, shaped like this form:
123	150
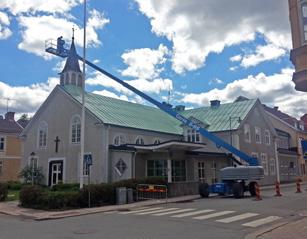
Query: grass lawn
13	195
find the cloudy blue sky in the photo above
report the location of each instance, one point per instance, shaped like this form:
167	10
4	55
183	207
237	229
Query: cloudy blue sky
198	50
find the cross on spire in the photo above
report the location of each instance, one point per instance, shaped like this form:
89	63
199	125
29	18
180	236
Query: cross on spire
73	32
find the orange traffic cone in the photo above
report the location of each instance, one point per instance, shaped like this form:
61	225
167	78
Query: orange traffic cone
298	185
257	189
277	188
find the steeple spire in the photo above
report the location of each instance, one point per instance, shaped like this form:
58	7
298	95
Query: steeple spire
71	74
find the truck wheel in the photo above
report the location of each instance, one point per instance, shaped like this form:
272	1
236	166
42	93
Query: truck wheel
252	188
238	190
204	190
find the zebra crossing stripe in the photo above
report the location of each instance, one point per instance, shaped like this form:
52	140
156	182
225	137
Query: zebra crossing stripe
156	211
142	210
217	214
262	221
192	213
238	217
174	212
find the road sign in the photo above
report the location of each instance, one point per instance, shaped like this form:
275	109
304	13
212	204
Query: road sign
88	159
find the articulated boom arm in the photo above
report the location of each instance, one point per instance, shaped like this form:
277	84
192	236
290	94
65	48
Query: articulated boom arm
218	141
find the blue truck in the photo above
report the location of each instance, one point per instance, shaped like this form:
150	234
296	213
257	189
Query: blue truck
234	180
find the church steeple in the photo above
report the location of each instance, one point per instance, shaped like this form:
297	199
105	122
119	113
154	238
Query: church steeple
71	74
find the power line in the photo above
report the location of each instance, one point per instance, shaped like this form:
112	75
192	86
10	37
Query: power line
7	102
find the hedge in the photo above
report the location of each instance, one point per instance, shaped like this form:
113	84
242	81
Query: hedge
3	191
67	196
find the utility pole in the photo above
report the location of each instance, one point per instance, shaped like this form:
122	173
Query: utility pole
83	100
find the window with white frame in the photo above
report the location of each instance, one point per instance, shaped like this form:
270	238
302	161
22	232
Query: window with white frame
2	143
157	141
119	140
264	163
201	171
42	134
1	167
139	140
272	166
247	133
75	129
267	137
258	135
303	13
191	135
178	170
33	162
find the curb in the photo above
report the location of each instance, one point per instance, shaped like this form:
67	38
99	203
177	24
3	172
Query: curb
40	215
256	234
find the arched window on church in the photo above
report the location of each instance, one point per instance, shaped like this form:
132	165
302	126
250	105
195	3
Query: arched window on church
119	140
75	129
42	134
139	140
67	80
73	79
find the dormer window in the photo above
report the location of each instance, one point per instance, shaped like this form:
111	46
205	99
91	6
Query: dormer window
139	141
191	135
119	140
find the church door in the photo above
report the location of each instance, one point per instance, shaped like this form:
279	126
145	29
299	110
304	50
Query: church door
55	172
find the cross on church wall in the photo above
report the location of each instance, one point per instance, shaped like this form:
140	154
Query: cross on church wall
57	140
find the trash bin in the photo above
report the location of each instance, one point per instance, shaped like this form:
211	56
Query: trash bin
129	195
121	195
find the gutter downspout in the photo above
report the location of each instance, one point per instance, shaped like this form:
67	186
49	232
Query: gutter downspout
276	161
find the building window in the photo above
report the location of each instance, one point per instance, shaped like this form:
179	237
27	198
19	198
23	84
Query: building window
119	140
264	163
192	136
1	167
139	140
86	169
255	155
33	162
201	171
178	170
42	134
157	141
272	166
120	167
247	133
75	129
157	168
258	135
304	19
2	143
267	137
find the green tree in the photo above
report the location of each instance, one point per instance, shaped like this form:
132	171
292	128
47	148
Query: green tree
28	174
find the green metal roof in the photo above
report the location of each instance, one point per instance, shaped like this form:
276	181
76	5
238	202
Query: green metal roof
218	117
127	114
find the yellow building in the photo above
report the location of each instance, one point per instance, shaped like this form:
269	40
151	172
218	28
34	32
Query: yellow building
10	148
298	20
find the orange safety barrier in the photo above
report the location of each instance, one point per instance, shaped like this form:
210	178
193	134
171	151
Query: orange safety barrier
298	185
277	188
257	190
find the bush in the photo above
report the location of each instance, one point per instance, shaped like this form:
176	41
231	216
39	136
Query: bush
14	185
31	196
3	191
62	200
27	173
65	187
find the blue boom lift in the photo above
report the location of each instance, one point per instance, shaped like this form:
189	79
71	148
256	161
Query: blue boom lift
235	180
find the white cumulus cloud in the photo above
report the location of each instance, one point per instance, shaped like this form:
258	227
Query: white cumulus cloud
274	90
145	63
5	32
197	28
22	100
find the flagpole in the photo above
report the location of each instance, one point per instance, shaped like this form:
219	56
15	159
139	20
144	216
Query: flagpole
83	100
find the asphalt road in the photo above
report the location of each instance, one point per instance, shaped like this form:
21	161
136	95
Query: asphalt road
214	217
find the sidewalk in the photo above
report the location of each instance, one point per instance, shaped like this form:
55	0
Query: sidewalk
294	230
12	208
